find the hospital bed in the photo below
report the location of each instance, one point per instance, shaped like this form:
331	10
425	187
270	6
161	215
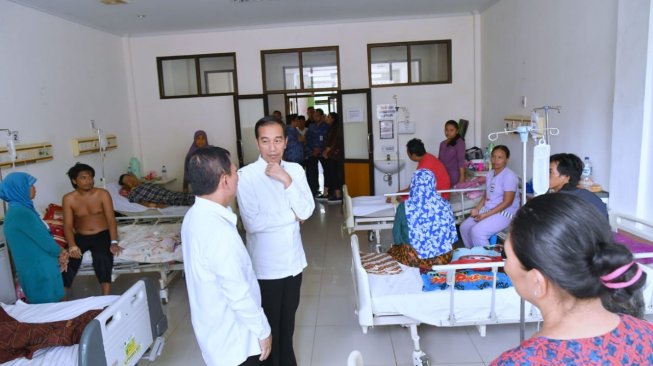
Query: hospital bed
374	213
122	205
150	244
399	300
131	324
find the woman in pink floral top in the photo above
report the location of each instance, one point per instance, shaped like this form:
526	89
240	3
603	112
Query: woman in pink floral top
561	257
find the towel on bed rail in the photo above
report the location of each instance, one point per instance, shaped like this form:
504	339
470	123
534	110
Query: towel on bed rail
466	279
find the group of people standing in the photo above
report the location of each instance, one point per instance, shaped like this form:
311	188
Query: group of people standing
318	140
243	299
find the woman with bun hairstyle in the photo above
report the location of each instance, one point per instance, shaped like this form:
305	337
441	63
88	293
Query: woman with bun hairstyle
561	258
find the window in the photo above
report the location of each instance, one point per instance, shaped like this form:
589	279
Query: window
300	69
197	75
406	63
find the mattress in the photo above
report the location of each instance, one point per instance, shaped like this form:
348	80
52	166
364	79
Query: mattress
159	243
402	294
40	313
372	206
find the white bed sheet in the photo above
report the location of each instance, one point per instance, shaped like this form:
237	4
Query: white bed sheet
40	313
402	294
372	206
160	243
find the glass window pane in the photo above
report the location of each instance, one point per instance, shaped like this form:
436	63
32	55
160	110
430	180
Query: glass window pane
320	69
389	65
217	74
179	77
429	63
281	71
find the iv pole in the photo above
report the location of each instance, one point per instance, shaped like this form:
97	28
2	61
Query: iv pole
102	146
523	132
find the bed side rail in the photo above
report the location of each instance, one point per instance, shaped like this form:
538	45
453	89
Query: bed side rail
348	212
362	291
450	270
149	220
633	225
124	331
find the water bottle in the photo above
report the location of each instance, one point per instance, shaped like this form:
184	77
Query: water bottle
164	173
586	176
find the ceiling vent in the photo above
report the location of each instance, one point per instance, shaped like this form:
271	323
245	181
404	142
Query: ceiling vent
113	2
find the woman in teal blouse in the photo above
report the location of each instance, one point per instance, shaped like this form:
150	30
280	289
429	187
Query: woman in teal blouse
36	256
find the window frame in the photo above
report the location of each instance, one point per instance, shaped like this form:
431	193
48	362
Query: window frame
199	75
299	52
409	61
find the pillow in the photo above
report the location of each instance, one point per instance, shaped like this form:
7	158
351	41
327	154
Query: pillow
54	218
121	203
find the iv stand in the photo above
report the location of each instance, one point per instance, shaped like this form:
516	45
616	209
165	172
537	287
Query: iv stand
546	109
523	132
102	148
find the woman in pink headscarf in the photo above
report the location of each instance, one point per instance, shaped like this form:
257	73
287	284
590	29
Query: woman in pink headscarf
199	140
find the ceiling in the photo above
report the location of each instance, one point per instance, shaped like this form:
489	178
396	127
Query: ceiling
148	17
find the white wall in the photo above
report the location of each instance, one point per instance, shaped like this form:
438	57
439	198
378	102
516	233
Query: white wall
166	126
555	52
56	77
632	130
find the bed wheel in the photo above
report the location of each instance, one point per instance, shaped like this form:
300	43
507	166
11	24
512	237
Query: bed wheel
421	360
163	294
371	236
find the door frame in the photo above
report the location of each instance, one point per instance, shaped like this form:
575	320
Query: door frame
239	137
370	136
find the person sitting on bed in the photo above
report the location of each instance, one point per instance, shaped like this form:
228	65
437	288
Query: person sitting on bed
562	259
564	174
89	224
153	195
424	229
38	259
500	201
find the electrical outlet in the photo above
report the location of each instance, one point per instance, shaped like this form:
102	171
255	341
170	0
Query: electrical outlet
524	101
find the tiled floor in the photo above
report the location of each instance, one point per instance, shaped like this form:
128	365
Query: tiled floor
327	329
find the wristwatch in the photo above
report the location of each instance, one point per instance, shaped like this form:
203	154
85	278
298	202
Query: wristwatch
114	242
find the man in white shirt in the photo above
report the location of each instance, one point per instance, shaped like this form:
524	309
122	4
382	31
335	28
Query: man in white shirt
274	198
224	295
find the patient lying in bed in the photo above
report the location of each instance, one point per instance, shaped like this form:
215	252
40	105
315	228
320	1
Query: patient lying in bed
424	228
153	195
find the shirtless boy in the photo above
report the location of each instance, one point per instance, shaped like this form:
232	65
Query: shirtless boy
89	224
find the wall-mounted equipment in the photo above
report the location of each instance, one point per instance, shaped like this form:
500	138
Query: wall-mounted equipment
26	154
88	145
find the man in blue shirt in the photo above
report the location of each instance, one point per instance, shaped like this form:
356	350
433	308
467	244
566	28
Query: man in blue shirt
316	141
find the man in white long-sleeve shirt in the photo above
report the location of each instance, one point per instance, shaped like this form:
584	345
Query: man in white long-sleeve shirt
224	295
274	198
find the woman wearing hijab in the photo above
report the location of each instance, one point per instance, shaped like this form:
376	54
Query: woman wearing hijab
199	140
424	229
38	259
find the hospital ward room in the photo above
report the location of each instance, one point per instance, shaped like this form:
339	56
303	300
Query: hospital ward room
341	183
